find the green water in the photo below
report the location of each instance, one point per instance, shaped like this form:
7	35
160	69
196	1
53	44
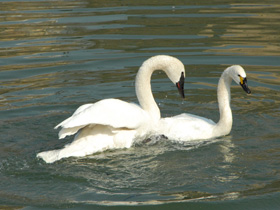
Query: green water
58	55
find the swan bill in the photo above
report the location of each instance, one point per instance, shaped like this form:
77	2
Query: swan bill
180	85
244	85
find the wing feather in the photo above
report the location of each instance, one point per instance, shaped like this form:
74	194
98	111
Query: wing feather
111	112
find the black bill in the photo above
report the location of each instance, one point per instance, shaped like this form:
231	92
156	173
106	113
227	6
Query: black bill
244	85
180	85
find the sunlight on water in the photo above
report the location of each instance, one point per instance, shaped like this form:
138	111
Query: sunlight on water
58	55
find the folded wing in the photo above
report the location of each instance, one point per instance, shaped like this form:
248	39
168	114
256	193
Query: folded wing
110	112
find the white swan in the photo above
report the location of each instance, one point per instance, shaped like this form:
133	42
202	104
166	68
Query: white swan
112	123
186	127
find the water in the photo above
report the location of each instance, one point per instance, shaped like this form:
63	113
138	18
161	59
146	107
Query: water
57	55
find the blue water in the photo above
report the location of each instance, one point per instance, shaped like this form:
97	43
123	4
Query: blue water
58	55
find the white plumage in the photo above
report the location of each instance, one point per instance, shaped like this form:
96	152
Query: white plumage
112	123
109	112
187	127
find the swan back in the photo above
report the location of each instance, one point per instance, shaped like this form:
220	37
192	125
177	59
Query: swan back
109	112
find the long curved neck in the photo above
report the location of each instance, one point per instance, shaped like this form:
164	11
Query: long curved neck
223	127
144	91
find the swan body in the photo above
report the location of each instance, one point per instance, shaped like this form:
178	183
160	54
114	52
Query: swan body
113	123
186	127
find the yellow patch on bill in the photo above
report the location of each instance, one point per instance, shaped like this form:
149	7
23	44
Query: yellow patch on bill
241	80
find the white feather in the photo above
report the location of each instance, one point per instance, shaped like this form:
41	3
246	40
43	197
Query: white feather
112	123
187	127
128	115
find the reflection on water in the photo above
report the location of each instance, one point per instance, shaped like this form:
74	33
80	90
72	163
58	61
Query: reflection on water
57	55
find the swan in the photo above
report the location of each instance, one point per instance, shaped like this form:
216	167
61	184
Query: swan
186	127
113	123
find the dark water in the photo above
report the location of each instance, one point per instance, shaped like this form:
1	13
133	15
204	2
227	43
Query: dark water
58	55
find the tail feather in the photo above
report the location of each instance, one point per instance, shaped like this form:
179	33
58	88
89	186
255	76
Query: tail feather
49	156
68	131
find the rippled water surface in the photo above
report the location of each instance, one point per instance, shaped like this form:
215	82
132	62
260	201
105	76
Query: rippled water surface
58	55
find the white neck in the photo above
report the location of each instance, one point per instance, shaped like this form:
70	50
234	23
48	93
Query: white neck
173	69
223	127
144	91
143	81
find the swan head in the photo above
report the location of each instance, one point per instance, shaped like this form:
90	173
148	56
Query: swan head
172	66
175	70
238	74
